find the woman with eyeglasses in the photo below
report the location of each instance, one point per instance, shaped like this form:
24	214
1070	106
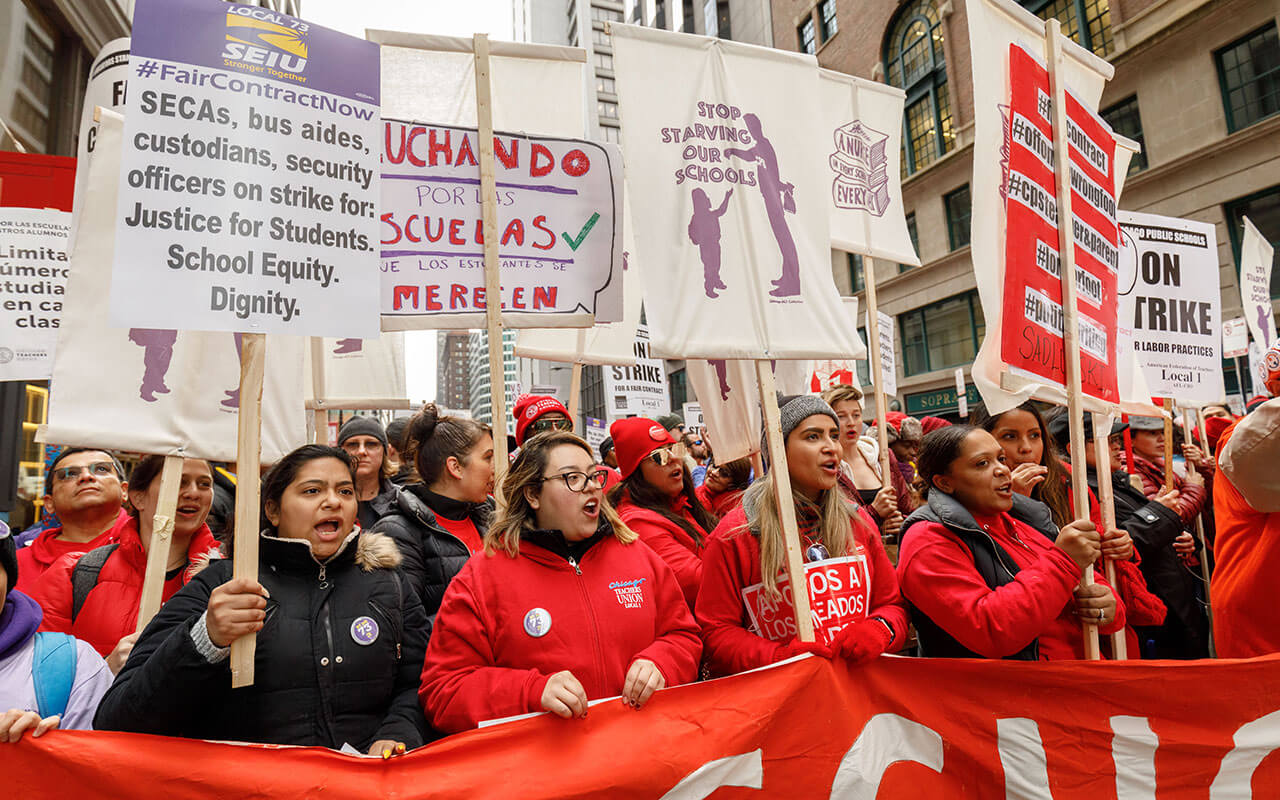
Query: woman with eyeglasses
562	607
439	522
536	413
747	552
658	501
722	491
105	611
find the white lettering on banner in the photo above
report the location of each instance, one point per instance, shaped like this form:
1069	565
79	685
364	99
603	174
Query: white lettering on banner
1093	194
885	740
1084	145
1048	315
746	771
1088	285
1094	244
1032	195
1026	775
1133	748
1254	741
1033	140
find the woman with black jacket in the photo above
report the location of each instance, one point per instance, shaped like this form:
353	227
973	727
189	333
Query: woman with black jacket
341	638
440	522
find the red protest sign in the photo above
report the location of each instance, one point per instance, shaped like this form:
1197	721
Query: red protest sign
1032	309
839	594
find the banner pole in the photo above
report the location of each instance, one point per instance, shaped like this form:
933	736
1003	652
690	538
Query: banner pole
1107	501
248	489
877	377
1204	542
1070	332
319	416
1167	405
575	390
786	503
492	263
161	539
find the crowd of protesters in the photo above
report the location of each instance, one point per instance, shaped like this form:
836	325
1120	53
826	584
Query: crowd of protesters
397	602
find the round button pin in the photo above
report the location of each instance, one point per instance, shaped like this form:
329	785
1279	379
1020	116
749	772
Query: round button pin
537	622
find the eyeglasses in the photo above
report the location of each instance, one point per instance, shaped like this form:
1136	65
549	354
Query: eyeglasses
578	481
543	425
98	469
661	457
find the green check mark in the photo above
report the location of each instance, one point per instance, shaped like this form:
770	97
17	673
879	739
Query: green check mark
582	234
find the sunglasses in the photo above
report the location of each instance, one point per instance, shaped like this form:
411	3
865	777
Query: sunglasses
662	457
543	425
98	469
579	481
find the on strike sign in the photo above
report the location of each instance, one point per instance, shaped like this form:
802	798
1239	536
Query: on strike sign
1032	312
839	595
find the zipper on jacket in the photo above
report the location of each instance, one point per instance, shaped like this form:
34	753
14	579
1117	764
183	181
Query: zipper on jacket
595	624
995	550
574	563
324	584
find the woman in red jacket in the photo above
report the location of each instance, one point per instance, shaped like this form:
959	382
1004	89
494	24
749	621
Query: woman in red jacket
722	490
747	551
987	572
657	499
561	607
109	611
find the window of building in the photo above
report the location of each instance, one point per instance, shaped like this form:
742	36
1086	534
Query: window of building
914	62
611	134
915	240
863	367
827	14
604	61
1124	120
601	38
1249	71
607	110
606	85
1094	34
690	18
856	279
593	393
715	16
677	389
807	43
959	209
605	14
941	335
1263	210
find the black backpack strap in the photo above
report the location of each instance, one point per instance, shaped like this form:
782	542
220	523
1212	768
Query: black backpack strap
85	575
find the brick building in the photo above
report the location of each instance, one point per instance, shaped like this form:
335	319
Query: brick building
1197	83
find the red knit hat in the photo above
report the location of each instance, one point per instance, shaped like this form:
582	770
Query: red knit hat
931	424
635	438
1213	427
531	406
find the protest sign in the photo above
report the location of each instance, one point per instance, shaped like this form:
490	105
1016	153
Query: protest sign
1169	289
1235	337
731	205
370	369
33	278
962	394
888	359
865	120
595	432
730	404
249	178
1256	258
560	221
1033	315
153	390
108	78
839	595
693	420
640	390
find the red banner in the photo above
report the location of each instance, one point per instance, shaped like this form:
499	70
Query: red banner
1033	315
898	728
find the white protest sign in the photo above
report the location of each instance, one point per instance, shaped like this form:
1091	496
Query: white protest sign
730	402
1235	337
147	390
362	369
640	390
839	596
729	198
595	432
829	372
693	420
561	228
33	278
1257	369
864	119
962	393
1256	258
108	76
249	179
1169	289
888	361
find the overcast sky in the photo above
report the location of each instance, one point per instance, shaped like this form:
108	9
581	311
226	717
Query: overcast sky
445	17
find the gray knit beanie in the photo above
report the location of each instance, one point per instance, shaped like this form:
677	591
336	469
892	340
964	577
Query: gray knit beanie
795	409
362	426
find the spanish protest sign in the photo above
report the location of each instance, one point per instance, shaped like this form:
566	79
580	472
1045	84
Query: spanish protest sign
249	178
839	595
33	278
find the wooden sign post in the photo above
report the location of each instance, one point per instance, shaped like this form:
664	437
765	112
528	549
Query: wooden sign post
1107	501
1204	546
492	262
248	489
1167	404
161	538
575	391
319	416
786	502
877	376
1070	332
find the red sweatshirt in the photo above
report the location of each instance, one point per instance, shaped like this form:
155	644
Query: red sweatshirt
719	504
110	610
46	548
732	563
938	576
670	541
507	624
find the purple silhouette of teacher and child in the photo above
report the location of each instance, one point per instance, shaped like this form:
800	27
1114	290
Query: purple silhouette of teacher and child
779	200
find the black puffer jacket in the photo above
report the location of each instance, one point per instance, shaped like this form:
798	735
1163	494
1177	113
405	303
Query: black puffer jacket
432	555
383	503
338	660
1185	632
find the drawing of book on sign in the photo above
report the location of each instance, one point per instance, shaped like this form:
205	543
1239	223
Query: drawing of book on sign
862	180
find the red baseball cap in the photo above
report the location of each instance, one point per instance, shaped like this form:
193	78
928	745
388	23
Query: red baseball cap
531	406
635	438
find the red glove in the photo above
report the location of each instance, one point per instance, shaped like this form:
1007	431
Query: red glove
795	647
862	641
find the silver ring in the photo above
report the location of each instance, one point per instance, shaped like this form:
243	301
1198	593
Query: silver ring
1101	614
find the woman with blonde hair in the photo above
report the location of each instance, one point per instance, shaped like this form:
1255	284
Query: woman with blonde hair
888	501
562	606
747	551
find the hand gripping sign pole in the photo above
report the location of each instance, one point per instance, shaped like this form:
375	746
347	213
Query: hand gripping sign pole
161	538
786	503
1204	546
248	488
492	263
1107	500
1070	329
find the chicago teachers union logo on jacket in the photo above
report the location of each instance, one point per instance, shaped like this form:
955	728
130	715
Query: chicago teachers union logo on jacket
630	593
259	40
